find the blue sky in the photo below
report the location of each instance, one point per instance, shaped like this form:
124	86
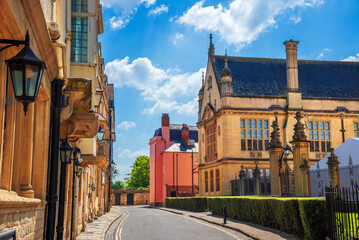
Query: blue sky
155	52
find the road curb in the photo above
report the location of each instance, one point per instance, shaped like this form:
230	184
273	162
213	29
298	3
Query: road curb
104	234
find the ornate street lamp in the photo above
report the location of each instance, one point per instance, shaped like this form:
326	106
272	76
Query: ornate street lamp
65	151
100	133
77	168
25	70
287	150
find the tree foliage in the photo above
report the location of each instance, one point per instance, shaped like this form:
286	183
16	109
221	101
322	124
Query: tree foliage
140	174
118	185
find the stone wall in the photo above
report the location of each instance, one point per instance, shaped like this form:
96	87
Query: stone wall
140	197
26	215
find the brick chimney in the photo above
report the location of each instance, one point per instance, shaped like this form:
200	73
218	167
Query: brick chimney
294	96
185	135
165	125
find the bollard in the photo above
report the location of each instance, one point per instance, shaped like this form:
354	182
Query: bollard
224	214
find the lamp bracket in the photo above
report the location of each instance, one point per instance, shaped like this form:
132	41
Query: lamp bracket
13	43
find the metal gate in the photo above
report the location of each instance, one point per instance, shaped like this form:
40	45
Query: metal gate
130	199
117	199
343	212
287	182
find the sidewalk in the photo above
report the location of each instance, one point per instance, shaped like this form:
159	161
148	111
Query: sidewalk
98	228
251	230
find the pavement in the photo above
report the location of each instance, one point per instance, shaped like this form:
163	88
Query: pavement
144	222
250	230
98	228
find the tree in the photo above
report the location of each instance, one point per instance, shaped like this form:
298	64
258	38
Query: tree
118	185
140	174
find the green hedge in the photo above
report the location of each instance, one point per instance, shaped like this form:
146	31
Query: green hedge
194	204
304	217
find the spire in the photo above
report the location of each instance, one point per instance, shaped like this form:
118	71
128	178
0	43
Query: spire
211	46
226	71
225	59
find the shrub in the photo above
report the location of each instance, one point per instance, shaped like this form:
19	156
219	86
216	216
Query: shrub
194	204
304	217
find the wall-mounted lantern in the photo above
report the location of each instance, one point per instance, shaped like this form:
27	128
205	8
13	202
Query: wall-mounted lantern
25	70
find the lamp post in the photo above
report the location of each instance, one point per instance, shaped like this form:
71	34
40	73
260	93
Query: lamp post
286	151
75	170
100	133
25	70
65	157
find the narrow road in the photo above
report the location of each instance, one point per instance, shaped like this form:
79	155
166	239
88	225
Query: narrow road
142	222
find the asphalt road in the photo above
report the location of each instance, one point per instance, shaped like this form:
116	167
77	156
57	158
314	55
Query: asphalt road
146	223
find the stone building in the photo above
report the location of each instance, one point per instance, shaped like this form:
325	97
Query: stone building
74	100
130	197
241	97
173	161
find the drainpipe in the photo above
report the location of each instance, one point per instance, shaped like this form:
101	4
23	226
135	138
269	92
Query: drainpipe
177	171
61	212
54	143
155	171
192	173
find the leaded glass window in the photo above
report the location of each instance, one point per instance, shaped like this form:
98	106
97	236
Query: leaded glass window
319	135
356	130
79	5
254	134
79	39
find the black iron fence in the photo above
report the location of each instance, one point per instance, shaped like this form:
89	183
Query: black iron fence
343	212
248	184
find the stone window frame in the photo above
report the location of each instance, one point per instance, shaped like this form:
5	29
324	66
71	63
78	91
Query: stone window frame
211	178
217	181
319	135
356	129
248	141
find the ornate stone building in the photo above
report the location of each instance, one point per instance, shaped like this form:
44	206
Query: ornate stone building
39	198
241	97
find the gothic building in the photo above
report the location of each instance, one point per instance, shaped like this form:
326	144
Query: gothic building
241	97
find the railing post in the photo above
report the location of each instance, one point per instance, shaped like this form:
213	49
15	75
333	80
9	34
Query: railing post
329	200
224	214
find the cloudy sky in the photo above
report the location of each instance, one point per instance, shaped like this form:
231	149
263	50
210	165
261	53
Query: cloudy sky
156	50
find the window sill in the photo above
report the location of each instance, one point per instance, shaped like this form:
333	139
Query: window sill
13	200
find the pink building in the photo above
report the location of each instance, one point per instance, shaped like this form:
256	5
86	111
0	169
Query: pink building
173	161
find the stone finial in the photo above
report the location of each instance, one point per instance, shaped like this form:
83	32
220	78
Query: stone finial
211	46
299	129
275	136
333	169
202	78
242	173
332	158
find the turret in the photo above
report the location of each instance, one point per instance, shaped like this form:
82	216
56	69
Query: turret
226	79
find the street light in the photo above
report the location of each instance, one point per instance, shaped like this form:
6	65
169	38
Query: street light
100	133
65	151
25	70
77	168
286	151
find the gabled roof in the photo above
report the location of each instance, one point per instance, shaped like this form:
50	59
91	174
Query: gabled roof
175	133
268	77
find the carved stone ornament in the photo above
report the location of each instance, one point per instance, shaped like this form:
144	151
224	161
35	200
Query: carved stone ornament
275	136
299	129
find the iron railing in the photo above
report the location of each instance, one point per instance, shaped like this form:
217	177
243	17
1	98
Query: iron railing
343	212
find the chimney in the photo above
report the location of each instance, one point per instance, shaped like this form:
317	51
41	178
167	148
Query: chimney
165	120
294	96
292	65
165	126
185	134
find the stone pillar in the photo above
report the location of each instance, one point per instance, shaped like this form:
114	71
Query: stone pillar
300	155
26	189
275	164
333	169
242	175
306	188
257	180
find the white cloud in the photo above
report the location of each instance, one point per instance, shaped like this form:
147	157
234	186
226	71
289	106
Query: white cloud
168	90
296	19
158	10
119	22
352	58
325	50
243	21
126	125
177	37
127	9
126	153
